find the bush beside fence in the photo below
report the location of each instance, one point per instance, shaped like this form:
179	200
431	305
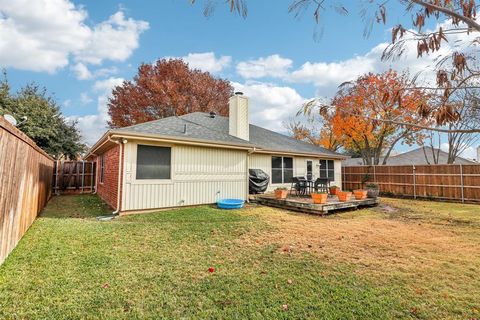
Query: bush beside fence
454	182
25	185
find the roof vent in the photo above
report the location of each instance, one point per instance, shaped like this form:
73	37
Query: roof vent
213	114
239	93
185	128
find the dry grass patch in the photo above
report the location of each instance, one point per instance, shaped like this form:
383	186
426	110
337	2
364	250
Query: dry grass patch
430	250
370	241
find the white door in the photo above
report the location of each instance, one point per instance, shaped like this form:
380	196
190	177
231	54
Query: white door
310	175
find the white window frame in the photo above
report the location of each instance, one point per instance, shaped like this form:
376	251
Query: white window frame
101	176
152	181
327	168
283	167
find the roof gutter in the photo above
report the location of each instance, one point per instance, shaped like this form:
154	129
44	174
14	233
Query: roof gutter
109	135
104	139
307	154
176	140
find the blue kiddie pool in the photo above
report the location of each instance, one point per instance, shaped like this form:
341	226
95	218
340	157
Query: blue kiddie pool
230	204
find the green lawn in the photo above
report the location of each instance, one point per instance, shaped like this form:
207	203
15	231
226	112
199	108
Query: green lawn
404	259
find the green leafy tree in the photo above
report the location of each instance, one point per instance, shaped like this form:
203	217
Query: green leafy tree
40	118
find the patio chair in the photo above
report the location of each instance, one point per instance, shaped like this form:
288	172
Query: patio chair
321	185
299	186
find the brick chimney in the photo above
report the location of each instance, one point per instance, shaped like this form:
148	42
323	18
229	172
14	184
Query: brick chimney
238	120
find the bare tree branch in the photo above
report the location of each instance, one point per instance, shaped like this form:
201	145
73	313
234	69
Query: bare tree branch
449	12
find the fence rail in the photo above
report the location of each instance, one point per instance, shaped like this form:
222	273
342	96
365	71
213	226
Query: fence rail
74	176
25	185
453	182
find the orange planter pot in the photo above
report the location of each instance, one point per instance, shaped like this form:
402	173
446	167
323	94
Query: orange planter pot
280	194
334	191
319	198
344	196
360	194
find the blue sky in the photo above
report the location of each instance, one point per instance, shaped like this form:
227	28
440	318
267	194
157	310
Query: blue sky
80	49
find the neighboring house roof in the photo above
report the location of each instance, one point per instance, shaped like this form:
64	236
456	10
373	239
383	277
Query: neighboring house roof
416	156
201	127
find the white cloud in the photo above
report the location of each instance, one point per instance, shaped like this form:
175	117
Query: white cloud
327	76
107	85
271	66
93	126
270	105
42	35
85	98
469	152
81	71
207	61
114	39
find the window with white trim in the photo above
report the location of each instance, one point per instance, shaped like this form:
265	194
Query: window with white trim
102	168
282	169
153	162
327	169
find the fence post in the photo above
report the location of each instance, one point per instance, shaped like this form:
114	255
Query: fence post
83	174
92	175
414	183
56	177
461	182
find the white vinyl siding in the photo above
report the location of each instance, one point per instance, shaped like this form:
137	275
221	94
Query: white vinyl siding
199	175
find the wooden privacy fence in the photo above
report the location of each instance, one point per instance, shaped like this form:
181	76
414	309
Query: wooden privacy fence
73	176
25	185
454	182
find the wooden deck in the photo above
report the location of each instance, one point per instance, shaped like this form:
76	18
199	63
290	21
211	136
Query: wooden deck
305	204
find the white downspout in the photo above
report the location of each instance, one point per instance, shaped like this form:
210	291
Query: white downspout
247	173
96	175
120	146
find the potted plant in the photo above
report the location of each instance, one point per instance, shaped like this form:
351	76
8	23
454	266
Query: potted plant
372	190
360	194
334	190
344	196
281	193
319	197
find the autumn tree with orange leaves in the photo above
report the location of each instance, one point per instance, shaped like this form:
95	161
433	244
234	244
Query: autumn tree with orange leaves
356	114
458	70
317	131
167	88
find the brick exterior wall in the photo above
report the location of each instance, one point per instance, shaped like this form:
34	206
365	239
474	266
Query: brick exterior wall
109	189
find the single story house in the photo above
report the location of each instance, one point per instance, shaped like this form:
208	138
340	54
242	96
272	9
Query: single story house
419	156
199	158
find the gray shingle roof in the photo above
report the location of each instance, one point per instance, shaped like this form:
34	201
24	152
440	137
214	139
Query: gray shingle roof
415	156
201	126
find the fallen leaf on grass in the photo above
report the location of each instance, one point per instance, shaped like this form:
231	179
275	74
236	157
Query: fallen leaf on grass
285	307
106	286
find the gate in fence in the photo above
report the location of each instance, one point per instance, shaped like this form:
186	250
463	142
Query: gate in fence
74	176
